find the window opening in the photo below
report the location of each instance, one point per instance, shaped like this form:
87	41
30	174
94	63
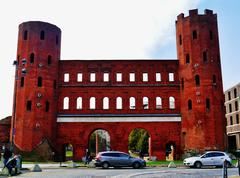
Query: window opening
189	104
106	77
145	77
171	77
105	103
79	77
49	59
187	58
119	103
132	77
197	80
47	106
158	102
29	105
194	34
158	77
79	103
92	103
39	81
145	103
208	104
32	58
132	103
171	102
66	103
119	77
22	81
66	77
92	77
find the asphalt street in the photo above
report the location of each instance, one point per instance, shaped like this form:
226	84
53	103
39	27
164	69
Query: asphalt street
158	172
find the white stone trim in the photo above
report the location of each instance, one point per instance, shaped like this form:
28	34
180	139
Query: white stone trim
119	119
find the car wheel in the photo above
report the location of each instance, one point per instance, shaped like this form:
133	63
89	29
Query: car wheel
136	165
105	165
198	164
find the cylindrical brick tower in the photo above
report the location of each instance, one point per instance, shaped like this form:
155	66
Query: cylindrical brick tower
202	108
36	78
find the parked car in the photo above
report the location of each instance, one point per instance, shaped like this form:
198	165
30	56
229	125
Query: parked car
118	159
210	158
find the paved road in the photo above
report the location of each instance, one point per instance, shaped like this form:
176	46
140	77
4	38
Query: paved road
127	173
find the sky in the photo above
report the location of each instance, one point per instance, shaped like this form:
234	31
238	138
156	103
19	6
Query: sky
114	29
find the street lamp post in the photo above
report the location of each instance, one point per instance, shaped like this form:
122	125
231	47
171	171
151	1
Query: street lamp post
15	63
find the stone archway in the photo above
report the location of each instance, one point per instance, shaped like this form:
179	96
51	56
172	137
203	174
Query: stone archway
99	140
139	143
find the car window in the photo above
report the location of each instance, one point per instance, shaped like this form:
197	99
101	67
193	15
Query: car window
208	155
218	154
110	154
123	155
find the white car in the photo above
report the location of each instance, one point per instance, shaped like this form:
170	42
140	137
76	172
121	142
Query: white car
210	158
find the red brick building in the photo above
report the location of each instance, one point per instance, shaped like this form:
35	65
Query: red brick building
177	101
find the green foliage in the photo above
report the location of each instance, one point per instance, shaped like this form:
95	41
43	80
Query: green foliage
138	140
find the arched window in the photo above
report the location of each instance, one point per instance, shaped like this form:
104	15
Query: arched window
187	58
25	35
92	103
194	34
105	103
197	80
29	105
47	106
79	103
132	103
205	58
145	103
214	79
180	39
42	35
22	81
208	104
39	81
66	103
189	104
32	58
119	103
235	92
49	59
171	102
158	102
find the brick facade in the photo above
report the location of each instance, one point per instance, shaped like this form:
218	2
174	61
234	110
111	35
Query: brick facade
47	93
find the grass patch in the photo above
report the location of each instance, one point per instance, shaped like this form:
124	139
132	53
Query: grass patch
163	163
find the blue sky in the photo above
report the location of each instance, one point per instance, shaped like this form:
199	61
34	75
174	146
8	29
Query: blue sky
119	29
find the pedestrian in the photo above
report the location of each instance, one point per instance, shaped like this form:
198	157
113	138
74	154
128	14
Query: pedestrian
7	154
87	157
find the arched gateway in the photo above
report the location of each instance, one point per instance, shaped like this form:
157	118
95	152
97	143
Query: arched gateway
65	101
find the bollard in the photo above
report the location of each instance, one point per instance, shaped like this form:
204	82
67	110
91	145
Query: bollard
225	173
238	166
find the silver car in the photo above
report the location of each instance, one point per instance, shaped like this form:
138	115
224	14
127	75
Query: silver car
210	158
118	159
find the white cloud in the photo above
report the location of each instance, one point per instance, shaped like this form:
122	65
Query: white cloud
91	29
